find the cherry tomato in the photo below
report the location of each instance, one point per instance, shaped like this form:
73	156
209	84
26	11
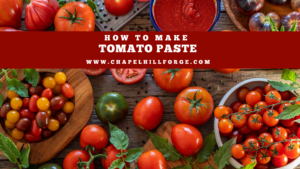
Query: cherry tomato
248	159
260	105
255	122
245	108
53	125
293	129
13	116
9	125
260	90
262	166
43	103
292	151
236	105
276	150
47	133
280	161
95	136
269	88
61	117
57	89
33	103
16	103
225	126
192	114
253	142
226	71
230	110
252	134
269	119
293	136
239	120
60	78
128	76
221	111
225	134
265	137
12	94
242	93
25	113
152	159
57	103
36	90
263	129
285	95
263	156
35	129
68	107
71	160
118	7
93	72
4	110
24	124
42	119
239	137
253	97
276	98
47	93
30	138
25	102
111	157
173	80
237	151
49	82
67	90
279	134
148	113
17	134
298	132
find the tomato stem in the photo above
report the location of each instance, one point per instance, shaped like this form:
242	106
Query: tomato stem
195	103
172	71
89	149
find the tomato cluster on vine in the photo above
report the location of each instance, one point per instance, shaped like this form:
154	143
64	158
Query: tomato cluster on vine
261	138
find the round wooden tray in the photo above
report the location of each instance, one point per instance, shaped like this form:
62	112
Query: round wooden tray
242	21
84	104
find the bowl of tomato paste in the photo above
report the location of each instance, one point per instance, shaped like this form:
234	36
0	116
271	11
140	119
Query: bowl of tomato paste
184	15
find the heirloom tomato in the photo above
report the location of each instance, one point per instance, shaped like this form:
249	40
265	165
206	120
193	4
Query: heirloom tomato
4	110
111	157
71	160
249	7
128	76
173	80
152	159
118	7
29	137
93	72
261	22
226	71
75	16
24	124
186	139
148	113
194	106
94	135
11	13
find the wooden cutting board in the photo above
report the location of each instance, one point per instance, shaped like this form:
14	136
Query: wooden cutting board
164	131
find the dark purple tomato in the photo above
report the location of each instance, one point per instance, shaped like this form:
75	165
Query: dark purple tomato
48	93
56	103
261	22
249	7
24	124
25	113
33	103
35	129
25	103
289	19
278	2
30	138
47	133
61	117
36	90
42	119
4	110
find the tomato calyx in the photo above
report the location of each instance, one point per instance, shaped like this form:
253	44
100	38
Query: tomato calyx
86	165
172	71
73	18
195	103
264	155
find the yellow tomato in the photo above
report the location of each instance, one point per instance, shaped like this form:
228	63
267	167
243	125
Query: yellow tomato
68	107
57	89
60	78
17	134
12	94
49	82
13	116
16	103
9	125
53	125
43	103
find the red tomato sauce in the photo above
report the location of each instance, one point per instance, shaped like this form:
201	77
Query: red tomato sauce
184	15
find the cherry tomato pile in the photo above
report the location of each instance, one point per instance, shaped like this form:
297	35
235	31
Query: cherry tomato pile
41	114
260	137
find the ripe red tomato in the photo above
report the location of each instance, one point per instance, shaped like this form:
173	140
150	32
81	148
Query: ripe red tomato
185	101
263	156
276	99
33	103
245	108
47	93
292	151
221	111
237	151
260	105
128	76
225	126
25	102
239	120
269	119
253	97
255	122
9	29
25	113
236	105
83	11
248	159
186	139
245	130
94	135
263	129
253	142
11	13
268	88
279	134
111	156
239	136
173	80
285	95
276	150
242	93
267	137
35	129
30	138
262	166
226	71
148	113
39	14
280	161
118	7
252	134
93	72
71	160
67	90
260	90
152	160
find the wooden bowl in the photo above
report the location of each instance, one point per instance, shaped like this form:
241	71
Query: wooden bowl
84	104
242	21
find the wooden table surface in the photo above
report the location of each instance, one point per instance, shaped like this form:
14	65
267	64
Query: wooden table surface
216	83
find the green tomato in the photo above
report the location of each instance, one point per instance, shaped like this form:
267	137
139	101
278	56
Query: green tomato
50	166
111	107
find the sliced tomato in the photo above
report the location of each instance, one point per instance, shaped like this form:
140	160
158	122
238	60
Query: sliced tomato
128	76
93	72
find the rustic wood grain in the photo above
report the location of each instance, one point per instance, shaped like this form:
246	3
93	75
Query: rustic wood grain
83	111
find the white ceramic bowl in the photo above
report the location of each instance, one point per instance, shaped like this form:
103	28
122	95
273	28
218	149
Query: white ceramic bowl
227	100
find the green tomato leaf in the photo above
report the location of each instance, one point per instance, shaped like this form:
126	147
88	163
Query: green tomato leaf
298	99
94	8
188	166
17	86
31	76
9	149
290	112
133	154
24	157
118	163
280	86
224	153
207	149
14	73
119	155
209	167
118	138
289	75
162	145
273	26
249	166
1	100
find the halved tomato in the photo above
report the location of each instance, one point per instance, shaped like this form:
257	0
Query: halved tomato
93	72
128	76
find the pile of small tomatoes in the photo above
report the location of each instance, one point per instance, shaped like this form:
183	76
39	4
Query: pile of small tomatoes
260	137
41	114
